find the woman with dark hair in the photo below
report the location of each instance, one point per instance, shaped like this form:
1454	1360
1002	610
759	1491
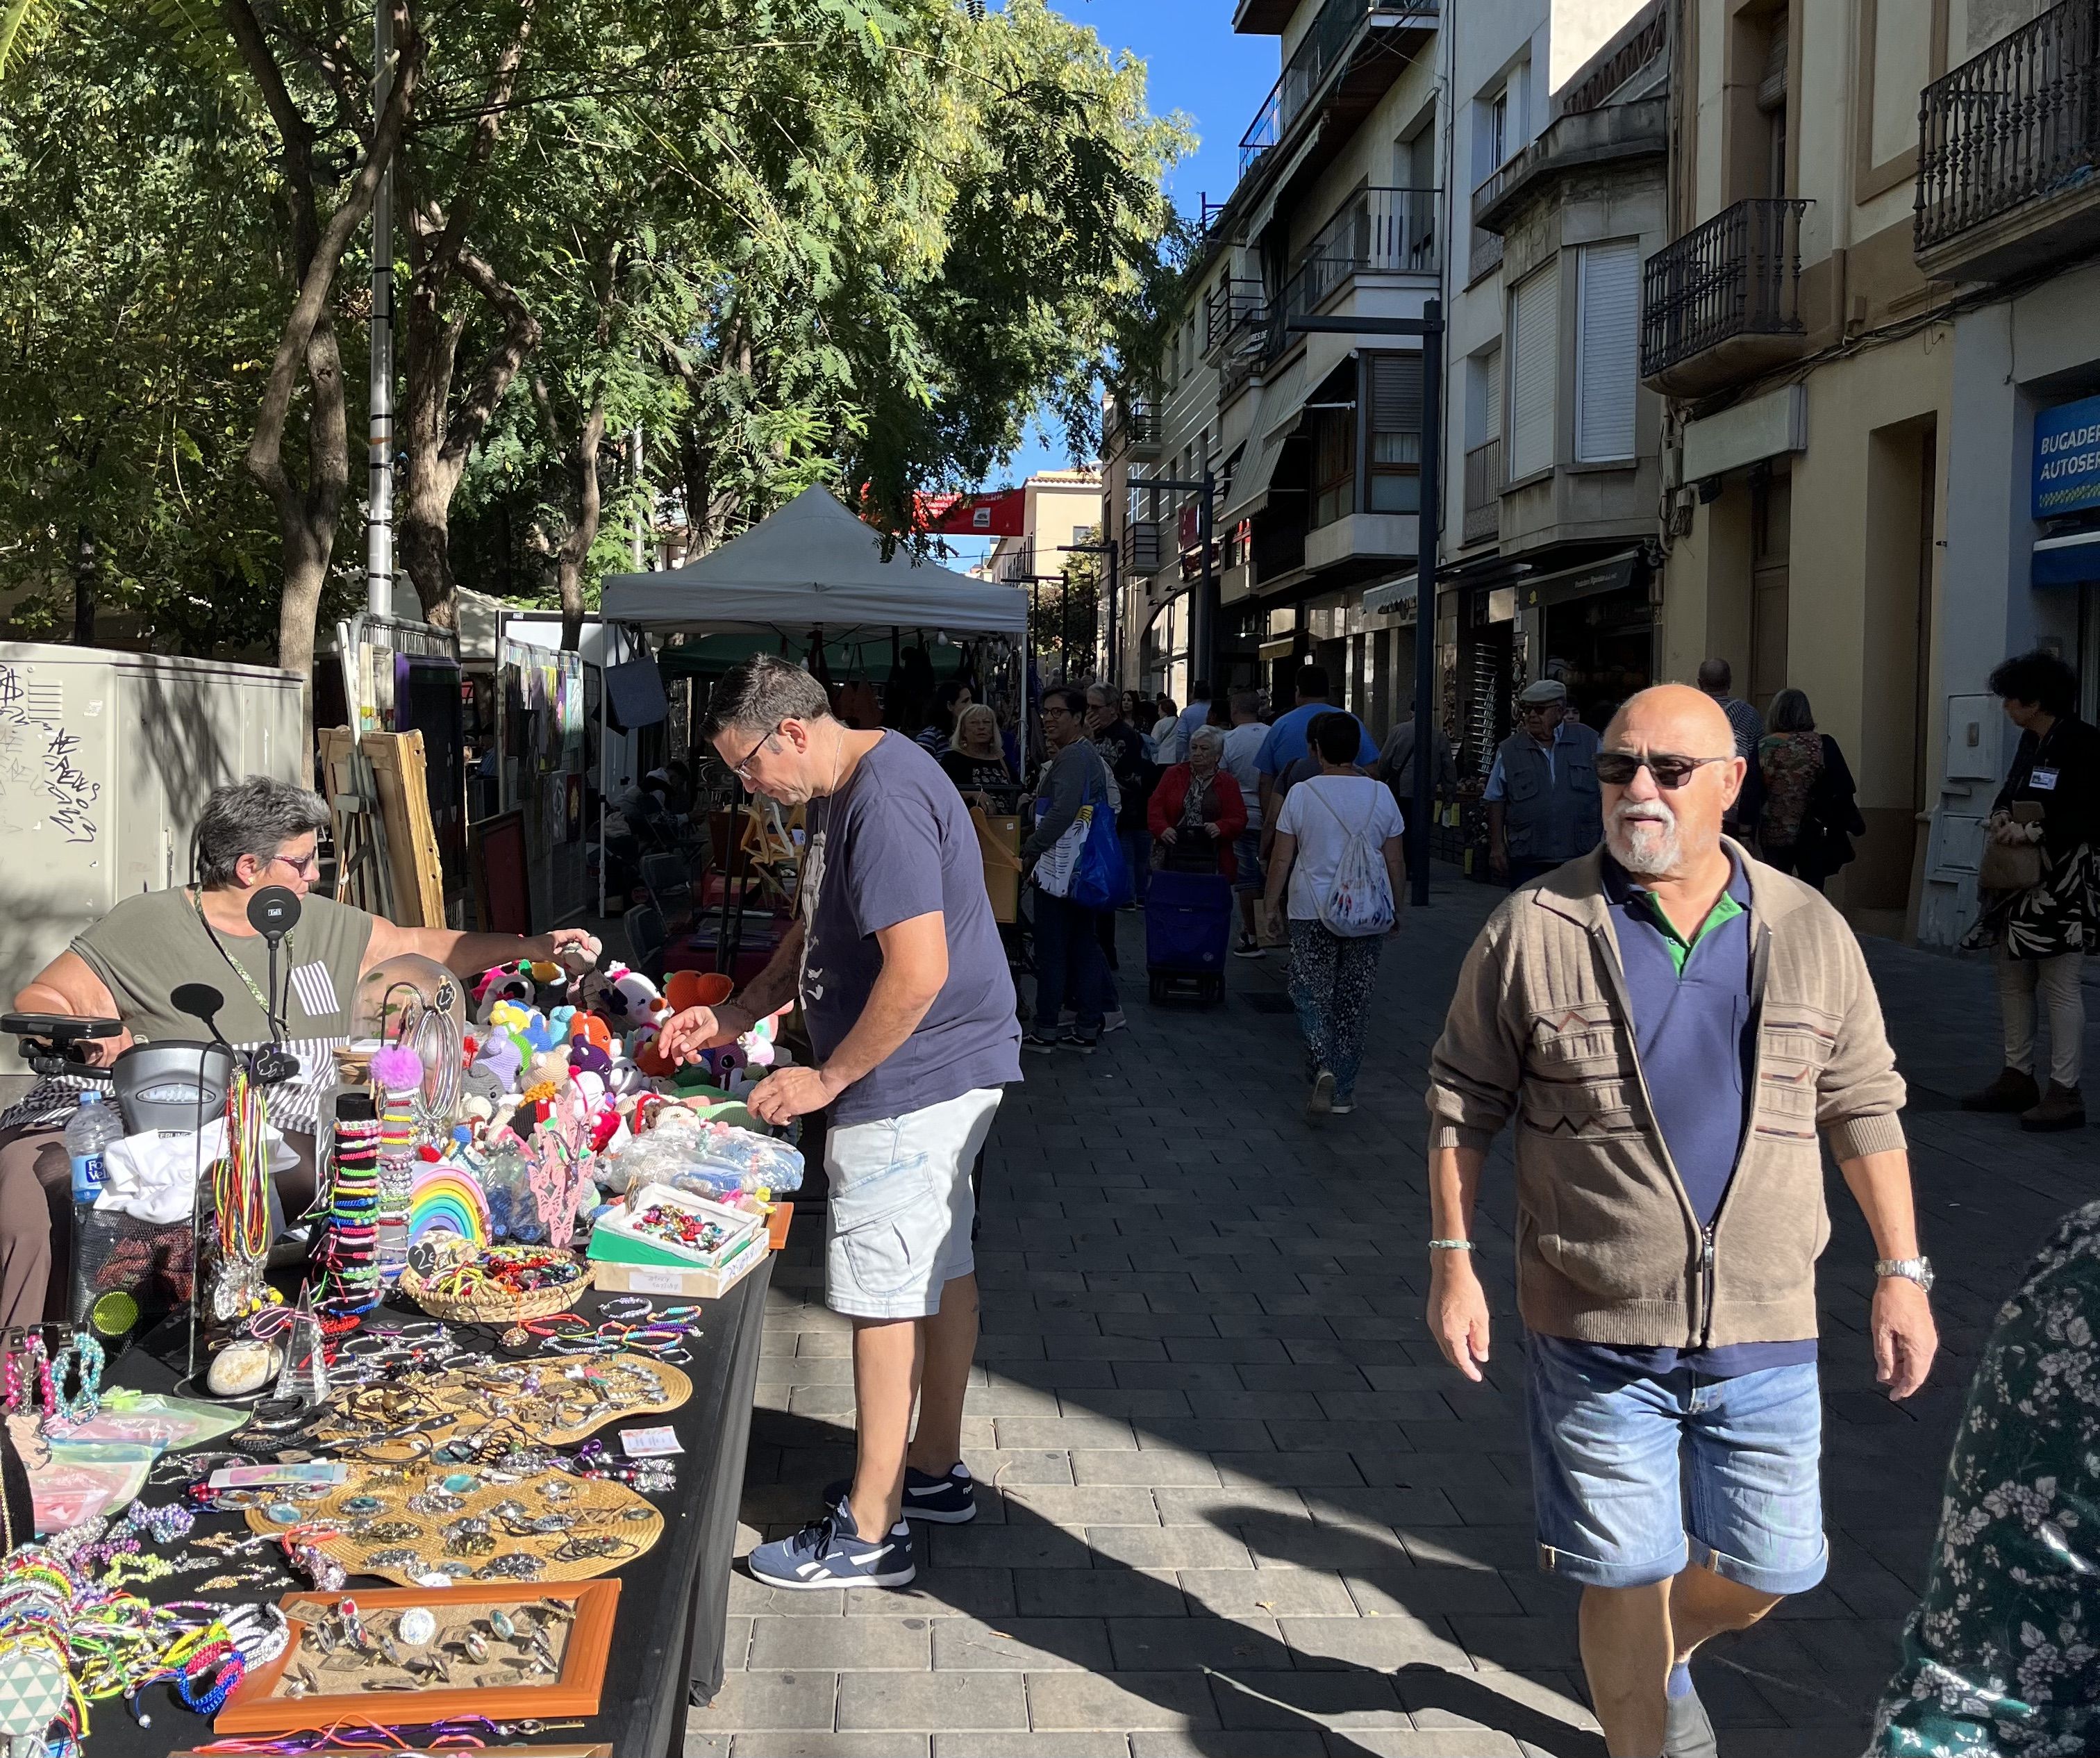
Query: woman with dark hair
1808	819
949	701
2040	888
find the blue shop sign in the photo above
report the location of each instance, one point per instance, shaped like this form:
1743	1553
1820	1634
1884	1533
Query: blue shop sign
2066	459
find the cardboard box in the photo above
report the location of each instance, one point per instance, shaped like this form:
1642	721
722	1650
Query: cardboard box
676	1284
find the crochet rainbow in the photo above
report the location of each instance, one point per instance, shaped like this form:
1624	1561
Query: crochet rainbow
445	1199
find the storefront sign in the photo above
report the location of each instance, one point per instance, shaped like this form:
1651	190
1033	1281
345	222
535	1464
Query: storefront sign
2066	459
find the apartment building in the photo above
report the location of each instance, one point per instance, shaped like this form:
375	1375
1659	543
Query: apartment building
1550	501
2007	222
1060	511
1345	207
1808	357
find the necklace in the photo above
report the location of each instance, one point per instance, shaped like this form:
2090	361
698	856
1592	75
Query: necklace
239	970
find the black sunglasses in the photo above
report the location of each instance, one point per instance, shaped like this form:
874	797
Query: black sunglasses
1620	768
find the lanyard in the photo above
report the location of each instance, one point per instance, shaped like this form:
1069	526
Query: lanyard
262	1001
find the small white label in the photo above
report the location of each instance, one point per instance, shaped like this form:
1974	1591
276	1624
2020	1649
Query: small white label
2044	779
650	1443
657	1281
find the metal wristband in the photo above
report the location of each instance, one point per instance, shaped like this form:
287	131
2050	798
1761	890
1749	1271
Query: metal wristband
1451	1245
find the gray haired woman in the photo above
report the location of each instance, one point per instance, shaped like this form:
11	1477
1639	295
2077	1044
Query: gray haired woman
129	965
1197	811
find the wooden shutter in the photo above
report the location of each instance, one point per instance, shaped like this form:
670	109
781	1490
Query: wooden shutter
1534	366
1608	317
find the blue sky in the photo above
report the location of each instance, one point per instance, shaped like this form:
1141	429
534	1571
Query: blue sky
1198	66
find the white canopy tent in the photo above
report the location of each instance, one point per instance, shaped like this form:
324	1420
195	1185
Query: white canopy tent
811	565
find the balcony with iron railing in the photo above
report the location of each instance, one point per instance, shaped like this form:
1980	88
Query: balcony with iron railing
1377	231
1723	302
1131	431
2008	144
1230	310
1484	491
1337	48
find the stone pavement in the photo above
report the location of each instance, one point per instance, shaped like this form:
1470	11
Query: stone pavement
1232	1500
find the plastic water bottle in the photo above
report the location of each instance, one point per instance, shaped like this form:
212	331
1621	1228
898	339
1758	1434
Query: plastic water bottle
94	1127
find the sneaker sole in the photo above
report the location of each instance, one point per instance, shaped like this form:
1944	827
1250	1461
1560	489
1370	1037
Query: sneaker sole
933	1516
817	1582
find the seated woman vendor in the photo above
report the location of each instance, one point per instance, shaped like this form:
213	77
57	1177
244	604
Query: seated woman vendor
129	965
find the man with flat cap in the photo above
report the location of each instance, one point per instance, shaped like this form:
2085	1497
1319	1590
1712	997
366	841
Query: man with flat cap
1543	805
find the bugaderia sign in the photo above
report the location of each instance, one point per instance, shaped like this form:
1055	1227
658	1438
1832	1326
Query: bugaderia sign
2066	459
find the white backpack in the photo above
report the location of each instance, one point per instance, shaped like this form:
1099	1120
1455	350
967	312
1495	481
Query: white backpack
1358	900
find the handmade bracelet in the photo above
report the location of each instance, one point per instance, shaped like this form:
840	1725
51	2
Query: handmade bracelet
1451	1245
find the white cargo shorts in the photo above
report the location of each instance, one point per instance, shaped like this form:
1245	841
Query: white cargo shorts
900	1210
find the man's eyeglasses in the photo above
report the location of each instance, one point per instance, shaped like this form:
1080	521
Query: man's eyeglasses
1620	768
742	769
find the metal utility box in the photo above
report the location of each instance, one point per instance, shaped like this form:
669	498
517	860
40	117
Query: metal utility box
105	761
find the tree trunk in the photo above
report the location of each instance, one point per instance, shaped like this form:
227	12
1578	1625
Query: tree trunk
577	546
306	519
84	571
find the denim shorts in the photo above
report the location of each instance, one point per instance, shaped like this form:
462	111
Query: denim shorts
897	1227
1247	855
1615	1509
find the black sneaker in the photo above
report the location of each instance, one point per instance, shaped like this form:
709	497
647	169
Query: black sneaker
1249	948
1084	1043
1035	1040
949	1501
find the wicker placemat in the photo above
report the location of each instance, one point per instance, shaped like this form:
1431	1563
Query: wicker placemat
399	1543
534	1395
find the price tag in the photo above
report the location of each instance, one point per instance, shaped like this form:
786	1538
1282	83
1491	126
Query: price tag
650	1443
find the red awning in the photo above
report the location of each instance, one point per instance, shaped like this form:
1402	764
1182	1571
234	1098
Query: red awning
1001	514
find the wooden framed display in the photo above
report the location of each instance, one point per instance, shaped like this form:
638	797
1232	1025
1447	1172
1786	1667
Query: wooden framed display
279	1698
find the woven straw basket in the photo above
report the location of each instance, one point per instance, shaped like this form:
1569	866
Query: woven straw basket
495	1309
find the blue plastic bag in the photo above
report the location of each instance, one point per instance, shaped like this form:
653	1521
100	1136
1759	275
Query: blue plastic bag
1101	877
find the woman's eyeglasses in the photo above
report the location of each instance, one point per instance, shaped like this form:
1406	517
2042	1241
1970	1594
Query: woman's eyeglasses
1620	768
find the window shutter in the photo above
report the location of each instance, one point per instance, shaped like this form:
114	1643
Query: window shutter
1491	412
1534	365
1396	407
1606	366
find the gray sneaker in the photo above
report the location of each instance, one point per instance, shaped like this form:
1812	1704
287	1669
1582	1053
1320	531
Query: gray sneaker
1687	1731
1322	1104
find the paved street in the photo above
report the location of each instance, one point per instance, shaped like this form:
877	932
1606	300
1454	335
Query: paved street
1232	1501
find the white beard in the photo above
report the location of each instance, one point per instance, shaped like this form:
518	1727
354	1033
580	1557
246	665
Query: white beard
1645	845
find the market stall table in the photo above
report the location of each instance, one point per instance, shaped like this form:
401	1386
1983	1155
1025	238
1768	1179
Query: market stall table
667	1646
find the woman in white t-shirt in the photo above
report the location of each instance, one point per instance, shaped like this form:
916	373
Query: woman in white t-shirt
1331	974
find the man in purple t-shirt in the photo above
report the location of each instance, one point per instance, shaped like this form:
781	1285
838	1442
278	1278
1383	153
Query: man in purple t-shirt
910	1008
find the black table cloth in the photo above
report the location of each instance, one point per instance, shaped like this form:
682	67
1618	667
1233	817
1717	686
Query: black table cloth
667	1642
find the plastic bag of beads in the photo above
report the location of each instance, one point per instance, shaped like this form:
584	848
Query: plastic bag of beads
147	1418
84	1481
506	1181
760	1162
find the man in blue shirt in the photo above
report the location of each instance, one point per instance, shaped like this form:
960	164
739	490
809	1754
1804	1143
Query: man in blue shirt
1286	745
909	1006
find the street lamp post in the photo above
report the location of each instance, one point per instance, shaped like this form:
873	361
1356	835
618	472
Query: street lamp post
1429	327
379	381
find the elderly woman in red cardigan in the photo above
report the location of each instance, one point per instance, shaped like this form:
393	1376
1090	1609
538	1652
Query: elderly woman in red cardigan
1198	805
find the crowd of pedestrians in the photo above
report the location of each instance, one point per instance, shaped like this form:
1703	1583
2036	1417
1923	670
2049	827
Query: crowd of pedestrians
1666	1011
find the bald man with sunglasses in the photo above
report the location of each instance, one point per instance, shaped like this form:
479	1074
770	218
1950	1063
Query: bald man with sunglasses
1672	1026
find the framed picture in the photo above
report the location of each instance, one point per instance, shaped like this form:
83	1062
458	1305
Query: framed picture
268	1700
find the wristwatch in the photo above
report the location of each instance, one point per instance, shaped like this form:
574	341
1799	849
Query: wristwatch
1917	1270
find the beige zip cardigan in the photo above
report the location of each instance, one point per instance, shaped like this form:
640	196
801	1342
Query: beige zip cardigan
1608	1248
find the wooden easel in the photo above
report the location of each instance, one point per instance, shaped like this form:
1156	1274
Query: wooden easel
363	879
